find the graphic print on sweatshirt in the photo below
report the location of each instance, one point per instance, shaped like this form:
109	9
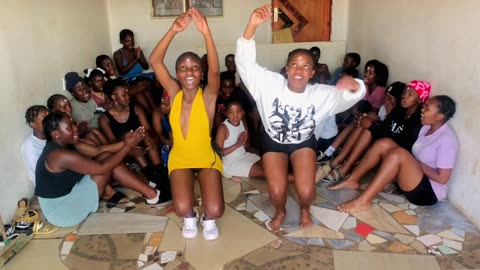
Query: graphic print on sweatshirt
291	124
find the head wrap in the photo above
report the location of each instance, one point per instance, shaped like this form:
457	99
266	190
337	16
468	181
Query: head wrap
422	88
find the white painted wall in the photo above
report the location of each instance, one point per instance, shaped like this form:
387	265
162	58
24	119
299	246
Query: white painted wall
437	41
39	42
137	16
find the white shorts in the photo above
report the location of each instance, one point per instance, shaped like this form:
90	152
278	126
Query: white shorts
240	166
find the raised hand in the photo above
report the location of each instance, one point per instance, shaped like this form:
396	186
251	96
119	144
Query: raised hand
200	21
347	82
364	121
132	138
181	22
260	15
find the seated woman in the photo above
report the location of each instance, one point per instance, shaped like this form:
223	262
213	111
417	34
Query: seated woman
192	117
162	127
60	103
131	63
402	126
68	184
322	74
95	79
423	174
122	117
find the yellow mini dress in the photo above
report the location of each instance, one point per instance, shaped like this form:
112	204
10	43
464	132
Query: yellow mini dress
195	151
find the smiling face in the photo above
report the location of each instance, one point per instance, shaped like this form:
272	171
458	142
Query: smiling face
80	92
189	73
66	132
129	42
430	112
299	70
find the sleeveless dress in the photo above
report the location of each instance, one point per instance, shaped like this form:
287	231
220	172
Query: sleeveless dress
119	129
195	151
136	71
238	162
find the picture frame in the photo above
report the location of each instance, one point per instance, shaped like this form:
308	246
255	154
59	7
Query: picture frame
173	8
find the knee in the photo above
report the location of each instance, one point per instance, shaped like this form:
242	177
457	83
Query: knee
277	193
395	154
306	195
215	211
384	144
183	209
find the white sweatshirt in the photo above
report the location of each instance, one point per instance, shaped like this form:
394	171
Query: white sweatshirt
289	117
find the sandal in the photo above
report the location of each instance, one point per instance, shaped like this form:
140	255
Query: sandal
322	171
116	198
334	176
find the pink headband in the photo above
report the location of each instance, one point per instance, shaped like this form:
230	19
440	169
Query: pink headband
422	88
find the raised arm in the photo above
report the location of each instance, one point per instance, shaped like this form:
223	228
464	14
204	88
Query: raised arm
258	16
213	85
158	55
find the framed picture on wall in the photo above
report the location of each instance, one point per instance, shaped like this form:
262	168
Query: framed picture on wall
173	8
208	7
168	8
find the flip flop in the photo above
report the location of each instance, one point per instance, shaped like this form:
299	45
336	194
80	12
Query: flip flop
269	228
334	176
116	198
322	171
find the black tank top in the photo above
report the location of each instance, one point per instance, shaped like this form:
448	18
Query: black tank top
53	185
118	128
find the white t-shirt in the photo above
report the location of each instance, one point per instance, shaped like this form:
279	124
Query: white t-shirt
327	129
289	117
31	149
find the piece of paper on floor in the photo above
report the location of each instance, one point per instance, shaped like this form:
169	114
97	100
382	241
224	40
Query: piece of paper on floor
260	215
154	266
256	191
168	256
116	210
149	250
66	247
143	257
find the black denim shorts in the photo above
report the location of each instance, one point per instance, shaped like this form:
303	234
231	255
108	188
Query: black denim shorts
269	145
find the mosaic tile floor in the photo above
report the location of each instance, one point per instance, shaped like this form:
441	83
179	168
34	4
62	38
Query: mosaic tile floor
393	234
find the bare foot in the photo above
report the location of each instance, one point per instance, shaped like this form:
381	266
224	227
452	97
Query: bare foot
305	218
348	184
277	221
236	179
354	206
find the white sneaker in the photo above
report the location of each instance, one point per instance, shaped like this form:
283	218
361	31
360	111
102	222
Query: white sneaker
210	230
189	229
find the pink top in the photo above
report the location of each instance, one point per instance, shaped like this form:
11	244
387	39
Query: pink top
437	150
100	102
376	98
